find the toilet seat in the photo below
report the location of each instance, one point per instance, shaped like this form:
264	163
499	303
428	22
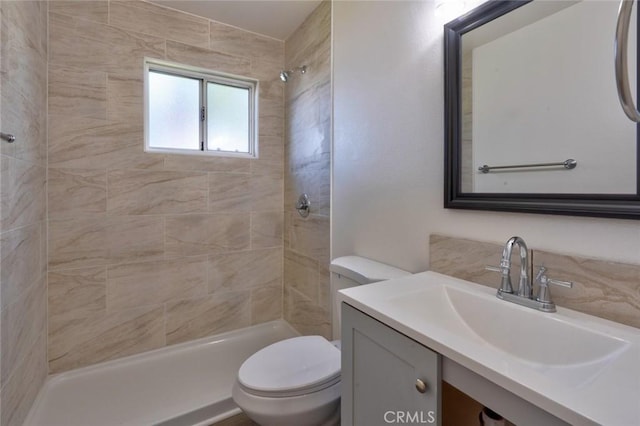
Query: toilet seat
291	367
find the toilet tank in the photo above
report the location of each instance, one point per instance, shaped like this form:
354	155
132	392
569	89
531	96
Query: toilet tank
350	271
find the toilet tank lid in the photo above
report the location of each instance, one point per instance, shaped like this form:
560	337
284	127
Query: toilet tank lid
365	271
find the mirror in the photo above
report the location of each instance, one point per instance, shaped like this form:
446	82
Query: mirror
533	122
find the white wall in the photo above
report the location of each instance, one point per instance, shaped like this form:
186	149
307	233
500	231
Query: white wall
387	191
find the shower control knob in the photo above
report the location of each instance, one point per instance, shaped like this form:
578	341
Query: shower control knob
421	386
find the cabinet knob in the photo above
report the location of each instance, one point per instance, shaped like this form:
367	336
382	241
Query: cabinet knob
421	386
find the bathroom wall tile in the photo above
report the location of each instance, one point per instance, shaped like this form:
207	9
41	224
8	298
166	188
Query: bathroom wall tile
22	193
189	235
324	286
271	87
205	58
194	318
271	117
134	239
125	98
230	192
605	289
77	92
466	259
83	242
25	23
95	10
266	304
302	274
76	192
21	264
309	120
21	388
271	157
153	283
77	242
271	125
267	192
26	120
89	143
78	341
159	21
266	229
22	323
77	292
207	163
139	192
245	270
310	236
310	36
316	184
24	87
232	40
92	46
288	218
304	315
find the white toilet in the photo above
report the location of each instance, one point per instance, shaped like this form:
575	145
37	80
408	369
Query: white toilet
296	382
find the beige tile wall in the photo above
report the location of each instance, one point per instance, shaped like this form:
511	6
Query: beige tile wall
605	289
147	250
307	170
23	285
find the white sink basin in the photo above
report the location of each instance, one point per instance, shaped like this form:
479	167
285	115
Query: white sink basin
562	360
531	335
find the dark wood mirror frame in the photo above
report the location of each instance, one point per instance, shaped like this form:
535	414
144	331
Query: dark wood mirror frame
597	205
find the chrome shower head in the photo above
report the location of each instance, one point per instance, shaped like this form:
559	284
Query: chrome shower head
284	75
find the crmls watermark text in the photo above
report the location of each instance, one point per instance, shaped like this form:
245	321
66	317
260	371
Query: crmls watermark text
409	417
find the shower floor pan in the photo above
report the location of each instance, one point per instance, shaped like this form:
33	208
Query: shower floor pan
182	385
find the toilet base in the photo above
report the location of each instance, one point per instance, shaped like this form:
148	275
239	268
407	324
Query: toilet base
320	408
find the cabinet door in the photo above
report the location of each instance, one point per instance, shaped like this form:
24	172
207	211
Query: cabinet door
381	370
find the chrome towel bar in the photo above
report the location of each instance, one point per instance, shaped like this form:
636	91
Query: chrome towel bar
567	164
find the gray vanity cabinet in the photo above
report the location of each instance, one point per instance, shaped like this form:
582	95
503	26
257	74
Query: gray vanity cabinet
387	378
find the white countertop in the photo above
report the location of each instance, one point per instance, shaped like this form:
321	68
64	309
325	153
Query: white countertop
605	391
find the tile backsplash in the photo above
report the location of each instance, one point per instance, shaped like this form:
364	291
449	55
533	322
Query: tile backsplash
147	250
601	288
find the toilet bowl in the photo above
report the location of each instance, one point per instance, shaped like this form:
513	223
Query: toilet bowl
292	382
296	382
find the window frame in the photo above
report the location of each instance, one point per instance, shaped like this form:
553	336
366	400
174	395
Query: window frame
204	76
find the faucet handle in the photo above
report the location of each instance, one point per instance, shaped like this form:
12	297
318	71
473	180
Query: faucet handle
544	294
505	284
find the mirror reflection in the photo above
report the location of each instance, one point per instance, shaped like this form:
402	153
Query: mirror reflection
538	87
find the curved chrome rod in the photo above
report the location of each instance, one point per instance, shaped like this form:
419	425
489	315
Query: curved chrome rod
567	164
622	72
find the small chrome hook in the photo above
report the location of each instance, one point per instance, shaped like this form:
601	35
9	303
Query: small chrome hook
8	137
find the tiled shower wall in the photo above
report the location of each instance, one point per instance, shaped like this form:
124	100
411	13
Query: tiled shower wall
23	290
147	250
307	170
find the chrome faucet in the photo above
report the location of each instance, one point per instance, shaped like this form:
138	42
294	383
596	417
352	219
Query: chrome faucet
524	294
524	285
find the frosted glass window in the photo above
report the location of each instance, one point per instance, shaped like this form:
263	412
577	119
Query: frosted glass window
174	111
190	110
228	120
